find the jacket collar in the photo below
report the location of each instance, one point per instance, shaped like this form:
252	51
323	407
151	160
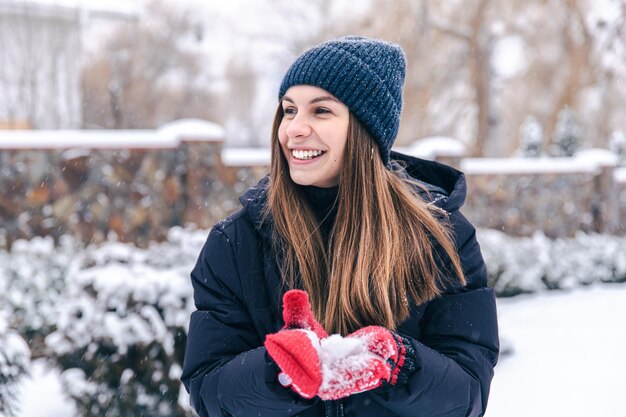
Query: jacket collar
253	201
447	184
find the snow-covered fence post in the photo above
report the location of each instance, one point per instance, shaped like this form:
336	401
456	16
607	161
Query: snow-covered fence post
442	149
246	166
200	170
604	204
617	144
618	147
619	176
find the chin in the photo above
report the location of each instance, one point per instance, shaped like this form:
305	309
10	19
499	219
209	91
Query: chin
302	181
306	178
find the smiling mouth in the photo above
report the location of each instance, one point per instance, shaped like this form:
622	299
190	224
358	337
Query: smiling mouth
303	155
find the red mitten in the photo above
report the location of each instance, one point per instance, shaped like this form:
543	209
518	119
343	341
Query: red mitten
378	340
360	361
296	354
392	347
295	347
297	313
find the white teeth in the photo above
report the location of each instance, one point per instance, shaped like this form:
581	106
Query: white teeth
300	154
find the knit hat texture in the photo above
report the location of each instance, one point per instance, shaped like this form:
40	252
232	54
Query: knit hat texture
365	74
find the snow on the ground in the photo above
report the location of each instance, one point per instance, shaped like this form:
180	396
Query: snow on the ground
567	358
42	395
568	354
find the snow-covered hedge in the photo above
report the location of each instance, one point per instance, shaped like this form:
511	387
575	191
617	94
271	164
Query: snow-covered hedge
112	318
33	280
120	334
14	363
521	265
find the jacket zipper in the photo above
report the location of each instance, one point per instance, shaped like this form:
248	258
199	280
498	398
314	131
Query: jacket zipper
333	408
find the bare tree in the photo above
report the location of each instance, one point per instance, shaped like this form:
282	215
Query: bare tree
473	31
567	67
285	28
454	86
150	72
454	89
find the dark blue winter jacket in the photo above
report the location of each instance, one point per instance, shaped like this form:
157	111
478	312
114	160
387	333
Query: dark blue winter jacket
237	294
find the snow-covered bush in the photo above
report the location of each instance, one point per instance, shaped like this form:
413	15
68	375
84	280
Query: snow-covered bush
14	363
514	265
32	282
567	133
121	331
531	134
617	144
113	318
521	265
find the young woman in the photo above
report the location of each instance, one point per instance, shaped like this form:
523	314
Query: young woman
373	239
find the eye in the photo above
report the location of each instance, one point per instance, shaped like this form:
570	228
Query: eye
322	110
289	111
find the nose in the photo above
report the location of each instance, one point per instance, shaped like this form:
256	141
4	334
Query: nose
298	127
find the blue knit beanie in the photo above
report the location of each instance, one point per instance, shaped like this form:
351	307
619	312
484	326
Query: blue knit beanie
365	74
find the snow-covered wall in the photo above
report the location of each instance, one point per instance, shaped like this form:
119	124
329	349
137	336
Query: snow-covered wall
558	196
135	184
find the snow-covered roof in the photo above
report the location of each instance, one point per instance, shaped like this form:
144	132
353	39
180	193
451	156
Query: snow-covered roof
604	157
589	160
102	139
193	130
168	136
429	148
237	157
507	166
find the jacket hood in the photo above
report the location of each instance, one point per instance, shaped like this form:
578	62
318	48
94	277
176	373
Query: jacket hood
446	186
447	183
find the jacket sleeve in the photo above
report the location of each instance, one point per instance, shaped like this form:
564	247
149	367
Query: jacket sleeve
226	369
458	345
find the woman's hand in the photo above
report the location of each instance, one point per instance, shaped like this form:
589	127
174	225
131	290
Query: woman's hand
363	360
295	348
312	363
354	364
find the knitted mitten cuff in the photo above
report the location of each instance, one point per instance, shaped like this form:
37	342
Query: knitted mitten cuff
404	364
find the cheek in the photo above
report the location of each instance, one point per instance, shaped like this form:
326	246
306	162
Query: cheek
342	138
282	137
341	145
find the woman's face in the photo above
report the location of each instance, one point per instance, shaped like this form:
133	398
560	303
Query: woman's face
313	135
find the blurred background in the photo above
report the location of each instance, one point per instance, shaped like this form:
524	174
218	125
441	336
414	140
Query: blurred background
128	128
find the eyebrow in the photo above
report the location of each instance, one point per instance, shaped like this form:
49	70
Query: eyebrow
315	100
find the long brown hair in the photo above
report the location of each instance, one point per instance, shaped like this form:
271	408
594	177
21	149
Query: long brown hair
380	254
